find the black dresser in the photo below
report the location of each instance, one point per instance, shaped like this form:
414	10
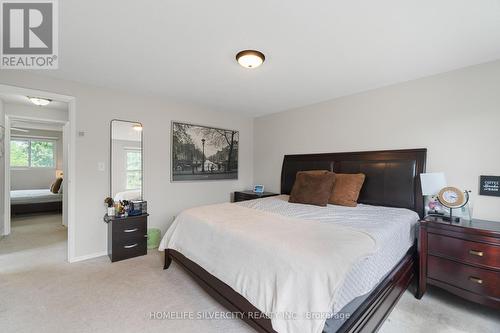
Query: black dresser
127	236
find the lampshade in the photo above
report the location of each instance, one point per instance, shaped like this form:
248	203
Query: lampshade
432	183
59	173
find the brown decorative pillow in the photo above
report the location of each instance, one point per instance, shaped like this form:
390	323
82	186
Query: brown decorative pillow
312	187
54	188
346	189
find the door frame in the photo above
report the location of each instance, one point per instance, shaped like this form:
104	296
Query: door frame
69	133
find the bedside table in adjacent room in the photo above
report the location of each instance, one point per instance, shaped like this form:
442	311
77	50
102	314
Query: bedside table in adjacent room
127	236
462	258
250	195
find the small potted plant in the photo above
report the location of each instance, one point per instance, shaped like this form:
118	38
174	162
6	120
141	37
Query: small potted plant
111	206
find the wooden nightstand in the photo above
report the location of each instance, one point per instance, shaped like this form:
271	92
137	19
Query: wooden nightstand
127	236
250	195
463	258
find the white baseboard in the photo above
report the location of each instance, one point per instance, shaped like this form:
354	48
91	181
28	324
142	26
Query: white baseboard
88	256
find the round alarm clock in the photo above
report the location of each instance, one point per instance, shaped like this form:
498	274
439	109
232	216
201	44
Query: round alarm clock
453	197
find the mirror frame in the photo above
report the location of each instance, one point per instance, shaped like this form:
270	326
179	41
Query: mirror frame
111	155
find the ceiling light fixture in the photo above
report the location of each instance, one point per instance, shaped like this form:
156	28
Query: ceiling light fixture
137	127
250	58
39	101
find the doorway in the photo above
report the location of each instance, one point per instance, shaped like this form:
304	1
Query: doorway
38	193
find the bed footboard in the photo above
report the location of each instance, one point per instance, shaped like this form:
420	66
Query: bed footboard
367	318
168	260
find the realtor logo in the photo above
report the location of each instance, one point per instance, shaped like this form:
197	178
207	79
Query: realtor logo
29	34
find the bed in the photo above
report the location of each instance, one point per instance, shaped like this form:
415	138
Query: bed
35	201
390	205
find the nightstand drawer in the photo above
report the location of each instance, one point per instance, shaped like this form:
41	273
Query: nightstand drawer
129	248
474	279
466	251
239	196
130	226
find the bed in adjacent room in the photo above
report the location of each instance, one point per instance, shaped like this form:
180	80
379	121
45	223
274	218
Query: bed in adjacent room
306	268
35	201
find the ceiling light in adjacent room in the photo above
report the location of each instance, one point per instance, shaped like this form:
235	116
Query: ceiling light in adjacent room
250	58
39	101
137	127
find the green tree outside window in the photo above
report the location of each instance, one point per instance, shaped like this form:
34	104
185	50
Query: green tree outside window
42	154
19	153
32	153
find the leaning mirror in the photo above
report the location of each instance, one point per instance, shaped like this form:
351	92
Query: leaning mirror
126	162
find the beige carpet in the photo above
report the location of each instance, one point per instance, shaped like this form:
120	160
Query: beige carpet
40	292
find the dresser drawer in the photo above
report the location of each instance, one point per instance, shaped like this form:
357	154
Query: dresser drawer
466	251
131	227
474	279
129	248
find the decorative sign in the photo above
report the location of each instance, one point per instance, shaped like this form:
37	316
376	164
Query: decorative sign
489	185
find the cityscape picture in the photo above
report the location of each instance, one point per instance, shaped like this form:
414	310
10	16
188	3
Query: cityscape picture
203	153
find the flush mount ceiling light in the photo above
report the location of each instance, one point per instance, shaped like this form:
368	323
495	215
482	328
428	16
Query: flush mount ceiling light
39	101
137	127
250	58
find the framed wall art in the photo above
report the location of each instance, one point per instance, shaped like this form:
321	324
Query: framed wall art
203	153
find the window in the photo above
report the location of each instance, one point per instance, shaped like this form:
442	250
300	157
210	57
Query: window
134	166
19	153
32	153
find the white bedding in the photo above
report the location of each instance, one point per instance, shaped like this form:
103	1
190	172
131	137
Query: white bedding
283	266
247	234
393	229
19	197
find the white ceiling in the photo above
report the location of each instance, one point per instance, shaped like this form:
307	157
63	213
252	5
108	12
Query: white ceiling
23	100
315	50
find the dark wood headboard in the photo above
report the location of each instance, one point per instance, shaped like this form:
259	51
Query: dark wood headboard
392	176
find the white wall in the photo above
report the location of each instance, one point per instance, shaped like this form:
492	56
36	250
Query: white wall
456	116
35	112
2	168
36	178
95	107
